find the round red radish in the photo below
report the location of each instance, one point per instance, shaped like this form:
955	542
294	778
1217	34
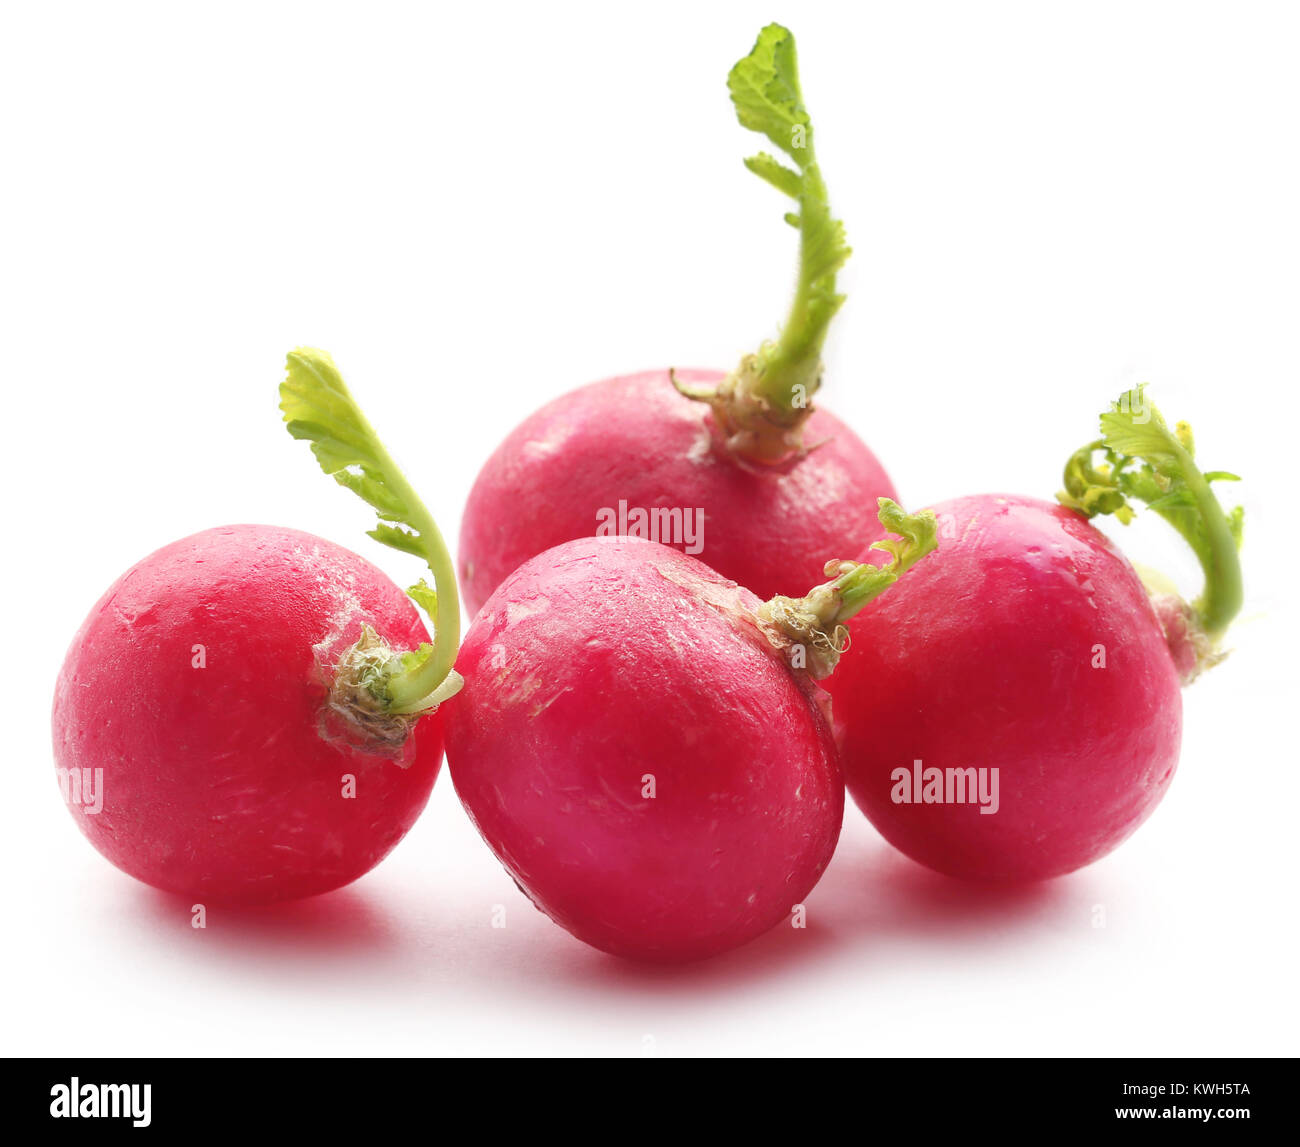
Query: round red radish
192	708
1025	649
737	469
636	444
637	753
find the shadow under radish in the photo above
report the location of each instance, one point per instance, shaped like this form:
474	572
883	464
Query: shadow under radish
872	909
871	899
344	923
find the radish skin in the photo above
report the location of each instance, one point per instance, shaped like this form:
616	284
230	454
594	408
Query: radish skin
1027	645
198	685
608	664
636	439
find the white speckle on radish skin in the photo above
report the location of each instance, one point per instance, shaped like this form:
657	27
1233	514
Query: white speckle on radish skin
516	611
539	448
701	449
538	710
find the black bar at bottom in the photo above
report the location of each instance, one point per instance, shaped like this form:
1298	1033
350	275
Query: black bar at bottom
1228	1096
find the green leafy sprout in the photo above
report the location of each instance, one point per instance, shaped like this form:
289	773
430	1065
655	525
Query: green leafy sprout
1143	460
775	383
319	408
861	582
817	621
765	89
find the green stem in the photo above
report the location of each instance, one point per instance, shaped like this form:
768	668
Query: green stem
1146	461
409	689
815	623
761	406
792	366
1219	557
319	408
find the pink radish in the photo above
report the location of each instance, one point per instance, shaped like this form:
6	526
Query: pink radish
642	744
239	719
735	468
1027	664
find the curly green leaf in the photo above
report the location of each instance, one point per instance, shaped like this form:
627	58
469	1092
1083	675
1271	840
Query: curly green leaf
1147	462
816	622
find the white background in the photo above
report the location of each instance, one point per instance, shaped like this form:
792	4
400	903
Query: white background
477	208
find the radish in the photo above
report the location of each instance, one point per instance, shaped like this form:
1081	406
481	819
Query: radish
239	718
736	468
1012	712
643	745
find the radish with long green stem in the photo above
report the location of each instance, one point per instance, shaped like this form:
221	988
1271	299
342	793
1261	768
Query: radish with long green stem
1028	659
247	715
771	485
